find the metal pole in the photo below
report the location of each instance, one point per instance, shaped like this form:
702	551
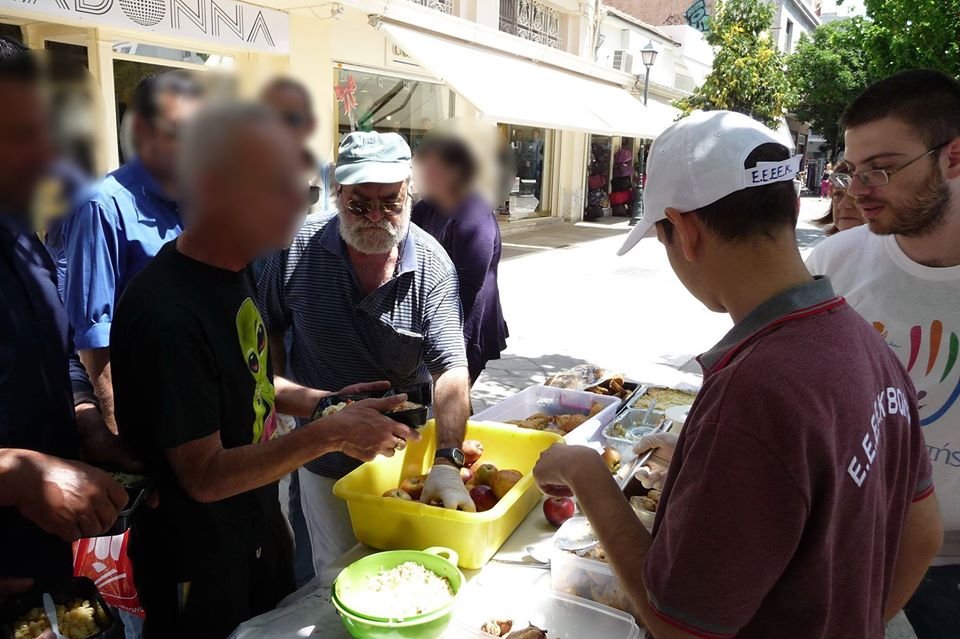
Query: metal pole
646	85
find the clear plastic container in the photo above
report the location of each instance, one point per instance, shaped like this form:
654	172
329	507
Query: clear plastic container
564	616
554	401
631	421
588	579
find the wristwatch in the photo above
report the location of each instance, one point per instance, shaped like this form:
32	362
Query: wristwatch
453	454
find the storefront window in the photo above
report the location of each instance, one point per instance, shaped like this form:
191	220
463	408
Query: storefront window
528	144
374	102
11	31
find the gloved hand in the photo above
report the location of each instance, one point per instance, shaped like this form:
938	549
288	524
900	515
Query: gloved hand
663	445
650	477
445	486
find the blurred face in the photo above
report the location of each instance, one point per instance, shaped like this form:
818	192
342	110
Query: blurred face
917	199
366	224
434	179
292	109
261	195
26	148
156	140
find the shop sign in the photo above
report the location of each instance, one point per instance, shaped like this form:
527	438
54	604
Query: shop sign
221	22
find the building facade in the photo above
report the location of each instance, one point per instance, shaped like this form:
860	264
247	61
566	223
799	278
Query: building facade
400	65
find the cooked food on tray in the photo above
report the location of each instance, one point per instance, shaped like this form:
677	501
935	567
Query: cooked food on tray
612	386
649	502
577	377
406	406
405	591
501	628
336	408
561	424
590	378
77	620
665	398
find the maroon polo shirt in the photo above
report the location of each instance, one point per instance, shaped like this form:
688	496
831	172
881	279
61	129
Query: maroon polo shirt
782	512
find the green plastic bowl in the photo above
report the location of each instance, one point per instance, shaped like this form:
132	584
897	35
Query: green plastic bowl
352	582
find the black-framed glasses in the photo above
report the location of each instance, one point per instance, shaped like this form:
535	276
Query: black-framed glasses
365	208
878	177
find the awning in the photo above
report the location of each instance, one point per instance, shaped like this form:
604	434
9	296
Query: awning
510	89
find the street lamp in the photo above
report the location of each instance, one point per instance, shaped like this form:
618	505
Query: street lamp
648	55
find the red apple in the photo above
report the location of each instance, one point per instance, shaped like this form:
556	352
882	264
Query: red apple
467	475
472	451
503	481
396	493
413	486
485	474
483	498
558	510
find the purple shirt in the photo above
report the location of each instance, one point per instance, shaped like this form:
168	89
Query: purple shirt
471	238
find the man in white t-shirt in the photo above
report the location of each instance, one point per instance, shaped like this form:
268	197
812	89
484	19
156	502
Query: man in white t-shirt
902	273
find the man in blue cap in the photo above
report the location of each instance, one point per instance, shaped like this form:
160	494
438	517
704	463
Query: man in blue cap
370	297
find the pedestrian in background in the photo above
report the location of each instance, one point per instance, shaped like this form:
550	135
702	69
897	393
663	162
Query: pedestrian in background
124	220
842	214
462	220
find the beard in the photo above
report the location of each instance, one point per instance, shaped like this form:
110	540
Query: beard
919	215
374	238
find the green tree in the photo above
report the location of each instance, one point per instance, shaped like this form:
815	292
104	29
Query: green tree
906	34
748	71
827	71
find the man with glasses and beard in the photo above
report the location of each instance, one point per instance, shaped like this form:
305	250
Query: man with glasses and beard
901	271
370	296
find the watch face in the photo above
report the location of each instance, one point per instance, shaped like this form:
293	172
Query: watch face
458	457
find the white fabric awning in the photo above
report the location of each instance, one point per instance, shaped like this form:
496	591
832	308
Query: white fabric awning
510	89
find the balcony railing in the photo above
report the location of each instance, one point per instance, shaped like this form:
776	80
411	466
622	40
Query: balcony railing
531	20
444	6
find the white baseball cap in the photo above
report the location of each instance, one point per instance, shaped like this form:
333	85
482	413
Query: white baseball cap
699	160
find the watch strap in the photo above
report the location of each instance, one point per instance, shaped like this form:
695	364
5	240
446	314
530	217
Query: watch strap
453	454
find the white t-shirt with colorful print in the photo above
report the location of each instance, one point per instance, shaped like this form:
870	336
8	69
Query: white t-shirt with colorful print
917	310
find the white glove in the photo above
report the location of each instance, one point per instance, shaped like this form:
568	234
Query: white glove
650	477
445	486
663	443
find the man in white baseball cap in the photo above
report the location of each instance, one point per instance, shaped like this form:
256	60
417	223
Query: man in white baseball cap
798	501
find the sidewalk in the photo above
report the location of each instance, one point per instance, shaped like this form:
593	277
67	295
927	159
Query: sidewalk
569	299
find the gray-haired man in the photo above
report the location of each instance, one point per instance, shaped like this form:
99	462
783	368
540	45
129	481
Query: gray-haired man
217	550
370	297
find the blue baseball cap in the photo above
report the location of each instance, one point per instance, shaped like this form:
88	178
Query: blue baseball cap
368	156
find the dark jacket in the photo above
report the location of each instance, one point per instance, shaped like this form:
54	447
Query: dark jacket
471	237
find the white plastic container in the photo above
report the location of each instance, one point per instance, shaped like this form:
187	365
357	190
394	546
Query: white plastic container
587	579
565	617
554	401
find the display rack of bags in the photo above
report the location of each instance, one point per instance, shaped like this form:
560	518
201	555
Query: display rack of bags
598	191
621	186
